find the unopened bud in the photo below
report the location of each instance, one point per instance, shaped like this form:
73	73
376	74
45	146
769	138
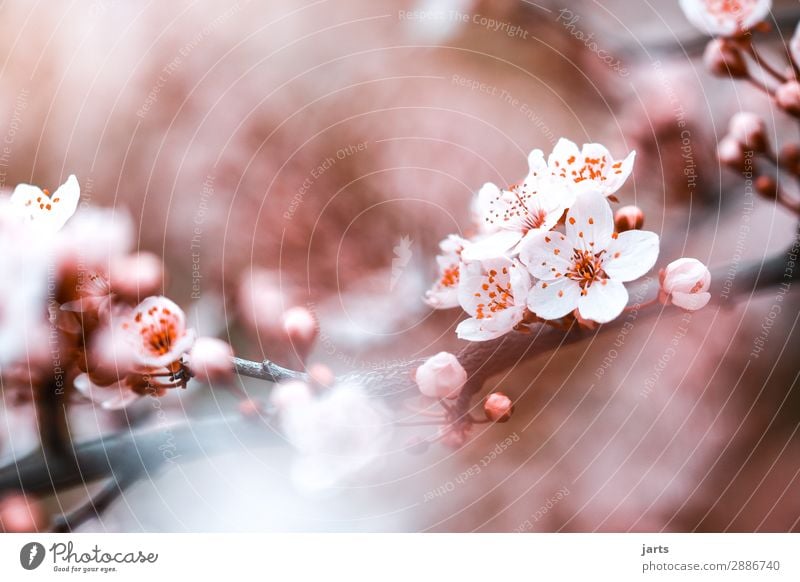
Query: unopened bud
723	59
685	283
788	97
211	360
767	187
300	325
628	218
498	407
137	276
789	157
441	376
19	515
749	130
321	375
731	153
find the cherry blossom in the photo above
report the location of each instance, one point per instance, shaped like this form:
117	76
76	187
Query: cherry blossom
589	169
444	292
336	435
535	204
46	211
794	45
586	267
725	17
157	331
493	293
685	283
211	360
441	376
113	397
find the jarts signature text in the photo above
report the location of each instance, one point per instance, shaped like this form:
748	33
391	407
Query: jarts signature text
654	550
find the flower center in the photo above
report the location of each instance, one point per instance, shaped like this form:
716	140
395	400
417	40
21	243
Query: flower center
534	220
587	267
449	277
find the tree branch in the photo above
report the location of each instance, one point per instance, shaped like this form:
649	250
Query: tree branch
137	451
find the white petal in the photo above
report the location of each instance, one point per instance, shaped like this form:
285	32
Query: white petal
590	220
603	301
49	213
691	301
493	246
564	159
725	21
537	167
554	299
631	255
546	254
471	330
617	173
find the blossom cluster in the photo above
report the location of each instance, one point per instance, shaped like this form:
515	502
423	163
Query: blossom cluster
549	247
81	309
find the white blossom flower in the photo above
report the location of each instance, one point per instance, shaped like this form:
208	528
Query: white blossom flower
46	211
536	204
685	283
589	169
336	435
493	293
24	263
157	331
444	292
586	268
114	397
441	376
725	17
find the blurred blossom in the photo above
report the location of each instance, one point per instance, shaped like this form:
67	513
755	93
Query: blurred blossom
336	435
211	360
444	293
726	17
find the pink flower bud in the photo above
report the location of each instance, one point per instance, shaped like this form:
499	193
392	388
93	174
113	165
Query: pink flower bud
300	325
685	283
731	153
498	407
767	187
136	276
288	395
749	130
790	157
18	515
441	376
210	360
723	59
629	218
788	97
322	375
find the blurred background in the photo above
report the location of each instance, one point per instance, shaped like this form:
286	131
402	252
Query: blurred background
286	151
